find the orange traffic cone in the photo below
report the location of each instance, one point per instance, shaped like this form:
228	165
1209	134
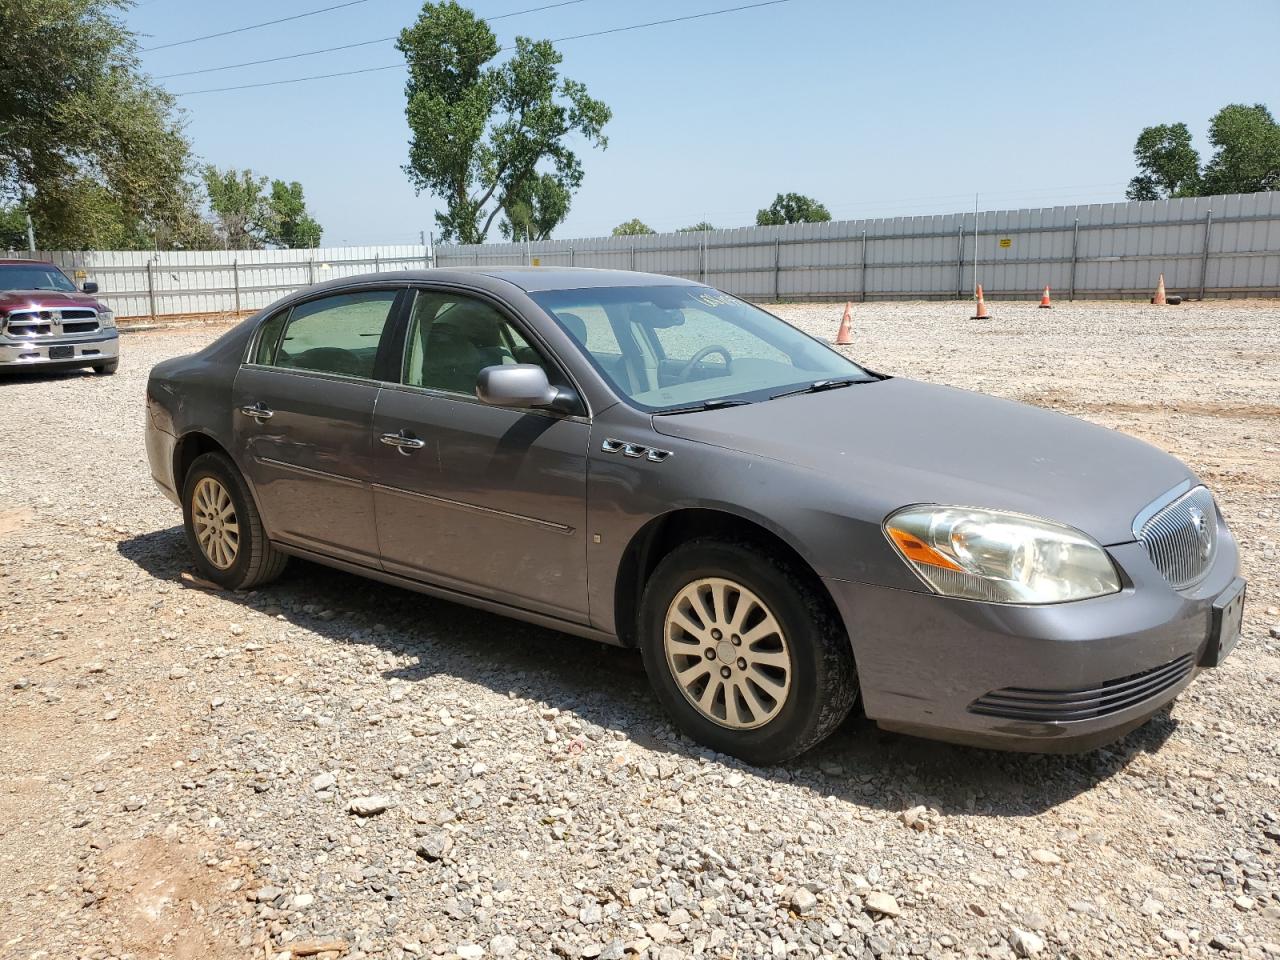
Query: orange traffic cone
1044	299
1159	299
844	336
982	307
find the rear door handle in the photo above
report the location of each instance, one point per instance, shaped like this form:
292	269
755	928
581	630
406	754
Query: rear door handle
259	411
402	441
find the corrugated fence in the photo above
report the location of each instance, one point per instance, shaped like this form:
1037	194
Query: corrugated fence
1205	246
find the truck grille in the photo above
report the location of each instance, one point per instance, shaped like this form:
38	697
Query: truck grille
1182	538
52	323
1085	703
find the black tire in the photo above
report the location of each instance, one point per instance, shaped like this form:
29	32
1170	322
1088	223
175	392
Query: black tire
257	561
106	368
824	683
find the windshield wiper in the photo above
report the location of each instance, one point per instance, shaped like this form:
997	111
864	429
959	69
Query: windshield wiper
818	386
704	405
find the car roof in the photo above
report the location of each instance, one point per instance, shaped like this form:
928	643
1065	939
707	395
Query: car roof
25	262
534	279
528	279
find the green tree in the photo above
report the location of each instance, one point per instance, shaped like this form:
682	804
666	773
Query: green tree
792	208
480	132
13	227
1246	158
539	206
97	150
238	201
697	228
633	228
287	222
1169	164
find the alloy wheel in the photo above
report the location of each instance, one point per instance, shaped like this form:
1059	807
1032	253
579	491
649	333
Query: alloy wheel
217	529
727	653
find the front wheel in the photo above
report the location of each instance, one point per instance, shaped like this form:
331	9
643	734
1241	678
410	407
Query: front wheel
224	530
106	368
744	652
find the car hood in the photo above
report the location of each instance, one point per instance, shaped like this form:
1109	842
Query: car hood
52	299
900	442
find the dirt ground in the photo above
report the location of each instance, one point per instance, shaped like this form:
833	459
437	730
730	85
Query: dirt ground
177	765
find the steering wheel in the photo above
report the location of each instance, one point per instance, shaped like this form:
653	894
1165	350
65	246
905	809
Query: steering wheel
683	374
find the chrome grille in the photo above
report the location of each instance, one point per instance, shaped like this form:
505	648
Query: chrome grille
1182	538
1084	703
51	322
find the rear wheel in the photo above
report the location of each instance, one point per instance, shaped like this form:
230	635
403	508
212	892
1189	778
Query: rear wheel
744	651
224	529
106	368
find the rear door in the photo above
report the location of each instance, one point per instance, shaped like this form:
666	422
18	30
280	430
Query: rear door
486	500
304	417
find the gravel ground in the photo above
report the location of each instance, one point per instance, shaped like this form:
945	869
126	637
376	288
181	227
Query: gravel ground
330	767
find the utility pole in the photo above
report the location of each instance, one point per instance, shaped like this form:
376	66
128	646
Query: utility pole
975	246
31	234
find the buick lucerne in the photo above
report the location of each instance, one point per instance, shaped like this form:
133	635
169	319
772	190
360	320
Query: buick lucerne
650	462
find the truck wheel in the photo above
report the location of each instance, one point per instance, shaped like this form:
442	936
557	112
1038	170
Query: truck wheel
224	529
744	652
106	368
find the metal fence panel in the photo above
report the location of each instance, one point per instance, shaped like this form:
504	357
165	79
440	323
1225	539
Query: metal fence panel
1225	246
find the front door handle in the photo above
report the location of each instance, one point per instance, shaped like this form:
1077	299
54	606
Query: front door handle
259	411
402	441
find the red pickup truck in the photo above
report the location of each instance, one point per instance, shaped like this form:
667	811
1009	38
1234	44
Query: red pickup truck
45	321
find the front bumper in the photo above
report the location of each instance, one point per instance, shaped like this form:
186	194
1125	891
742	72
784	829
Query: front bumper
925	662
86	350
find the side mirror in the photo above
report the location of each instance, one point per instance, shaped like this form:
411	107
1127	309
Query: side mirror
523	385
90	286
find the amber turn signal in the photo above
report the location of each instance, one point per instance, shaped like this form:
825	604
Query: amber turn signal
917	551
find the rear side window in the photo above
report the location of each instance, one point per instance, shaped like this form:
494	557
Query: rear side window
268	337
337	334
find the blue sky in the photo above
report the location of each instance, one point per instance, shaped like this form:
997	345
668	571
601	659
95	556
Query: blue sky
876	109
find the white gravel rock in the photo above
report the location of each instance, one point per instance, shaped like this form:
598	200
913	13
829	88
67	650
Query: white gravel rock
528	781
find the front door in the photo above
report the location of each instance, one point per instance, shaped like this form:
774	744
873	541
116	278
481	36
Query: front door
481	499
304	420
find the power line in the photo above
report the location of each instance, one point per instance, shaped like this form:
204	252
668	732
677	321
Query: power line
253	26
347	46
254	63
517	13
578	36
658	23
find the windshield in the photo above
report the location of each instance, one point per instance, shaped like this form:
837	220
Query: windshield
34	276
681	346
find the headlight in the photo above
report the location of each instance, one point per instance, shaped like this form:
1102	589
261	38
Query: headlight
1000	557
106	319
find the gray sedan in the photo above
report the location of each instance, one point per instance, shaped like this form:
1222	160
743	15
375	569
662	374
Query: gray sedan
652	463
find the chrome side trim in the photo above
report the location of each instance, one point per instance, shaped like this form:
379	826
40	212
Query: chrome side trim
474	508
308	471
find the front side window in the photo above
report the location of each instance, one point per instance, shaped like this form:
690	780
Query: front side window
34	276
452	338
337	334
666	348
